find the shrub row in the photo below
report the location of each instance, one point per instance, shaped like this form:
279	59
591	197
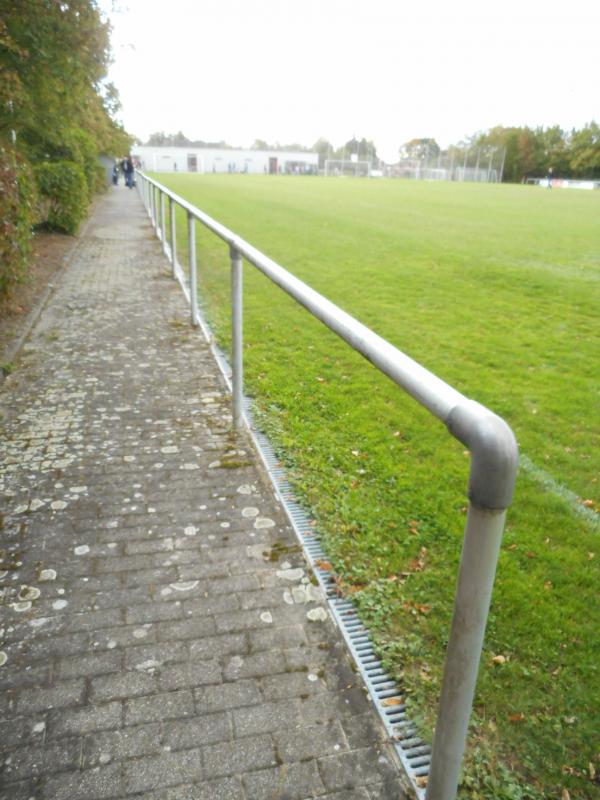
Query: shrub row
53	193
18	214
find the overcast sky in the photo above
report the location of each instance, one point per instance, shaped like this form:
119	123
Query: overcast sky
388	70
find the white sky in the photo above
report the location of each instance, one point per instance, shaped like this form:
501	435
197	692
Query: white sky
388	70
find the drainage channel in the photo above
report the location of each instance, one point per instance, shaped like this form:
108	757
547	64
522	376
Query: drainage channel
413	752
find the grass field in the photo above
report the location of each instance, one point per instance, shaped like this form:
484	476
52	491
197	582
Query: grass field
496	289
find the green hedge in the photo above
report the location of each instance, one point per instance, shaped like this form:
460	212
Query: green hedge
64	194
18	204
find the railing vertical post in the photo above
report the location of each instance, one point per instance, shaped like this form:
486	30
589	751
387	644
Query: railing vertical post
163	222
173	234
153	205
483	533
193	276
237	363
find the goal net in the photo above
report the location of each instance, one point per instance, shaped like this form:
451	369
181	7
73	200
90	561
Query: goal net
342	168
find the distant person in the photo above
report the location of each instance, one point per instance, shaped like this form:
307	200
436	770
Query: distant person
115	173
128	172
550	178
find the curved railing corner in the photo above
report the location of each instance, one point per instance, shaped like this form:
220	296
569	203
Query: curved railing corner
488	437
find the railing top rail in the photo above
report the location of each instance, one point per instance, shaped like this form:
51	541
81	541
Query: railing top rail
473	424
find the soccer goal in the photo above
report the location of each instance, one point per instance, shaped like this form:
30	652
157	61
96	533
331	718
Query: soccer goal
342	168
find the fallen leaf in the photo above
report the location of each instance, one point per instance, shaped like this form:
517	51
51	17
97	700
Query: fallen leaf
512	547
592	771
548	585
499	659
565	795
590	556
516	717
324	565
422	781
588	503
393	701
530	554
321	380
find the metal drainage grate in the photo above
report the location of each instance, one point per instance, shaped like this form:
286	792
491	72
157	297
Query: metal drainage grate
413	752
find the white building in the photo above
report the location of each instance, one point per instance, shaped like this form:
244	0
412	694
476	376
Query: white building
208	159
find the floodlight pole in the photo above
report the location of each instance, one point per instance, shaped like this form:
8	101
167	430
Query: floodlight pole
502	165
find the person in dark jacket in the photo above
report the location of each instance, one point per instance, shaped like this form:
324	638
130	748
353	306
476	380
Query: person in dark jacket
127	167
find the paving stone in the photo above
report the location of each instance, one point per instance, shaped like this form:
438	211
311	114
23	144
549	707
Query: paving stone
99	783
22	678
19	730
23	790
291	684
302	744
165	769
88	666
266	717
191	628
347	770
182	734
183	676
272	638
293	781
220	789
219	646
128	684
85	720
106	746
61	695
168	705
32	762
156	654
242	755
227	695
268	662
154	612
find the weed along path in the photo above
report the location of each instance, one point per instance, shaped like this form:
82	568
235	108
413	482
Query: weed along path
147	649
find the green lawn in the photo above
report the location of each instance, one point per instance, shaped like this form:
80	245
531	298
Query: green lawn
496	289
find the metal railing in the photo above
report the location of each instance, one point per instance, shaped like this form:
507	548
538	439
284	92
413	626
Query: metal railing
488	437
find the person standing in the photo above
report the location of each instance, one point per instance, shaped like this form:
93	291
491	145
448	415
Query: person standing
128	171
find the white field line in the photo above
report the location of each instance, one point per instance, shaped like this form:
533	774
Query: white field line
547	482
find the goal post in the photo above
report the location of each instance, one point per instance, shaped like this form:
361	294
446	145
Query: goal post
345	168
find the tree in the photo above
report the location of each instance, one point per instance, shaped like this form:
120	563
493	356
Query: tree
420	149
57	57
585	152
55	110
325	150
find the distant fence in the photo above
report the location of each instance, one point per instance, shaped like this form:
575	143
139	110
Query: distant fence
473	164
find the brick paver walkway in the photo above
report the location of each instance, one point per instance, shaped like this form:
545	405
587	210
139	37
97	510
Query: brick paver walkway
147	649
